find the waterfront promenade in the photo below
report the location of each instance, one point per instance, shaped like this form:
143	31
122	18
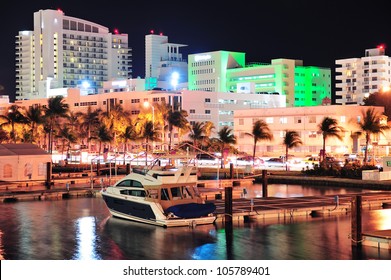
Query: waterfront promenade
78	185
75	185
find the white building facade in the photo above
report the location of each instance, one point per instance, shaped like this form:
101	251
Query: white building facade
357	78
164	65
66	52
219	107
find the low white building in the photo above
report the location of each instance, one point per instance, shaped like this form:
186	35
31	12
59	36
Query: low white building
23	162
305	121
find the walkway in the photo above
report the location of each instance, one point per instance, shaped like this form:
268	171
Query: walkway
274	207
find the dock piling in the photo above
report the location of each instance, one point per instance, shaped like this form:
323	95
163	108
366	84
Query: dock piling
264	183
228	204
356	235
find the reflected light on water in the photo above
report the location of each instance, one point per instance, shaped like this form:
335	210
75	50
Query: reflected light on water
382	218
1	246
205	251
86	239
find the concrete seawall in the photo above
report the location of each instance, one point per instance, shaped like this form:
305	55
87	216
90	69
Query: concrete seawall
329	181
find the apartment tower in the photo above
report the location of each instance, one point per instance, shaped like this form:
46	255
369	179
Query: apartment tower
357	78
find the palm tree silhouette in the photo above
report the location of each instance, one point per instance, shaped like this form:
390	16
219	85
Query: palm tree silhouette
370	124
291	139
260	131
329	127
55	109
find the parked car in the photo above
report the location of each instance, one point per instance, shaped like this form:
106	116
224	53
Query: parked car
247	160
275	162
207	159
311	161
291	159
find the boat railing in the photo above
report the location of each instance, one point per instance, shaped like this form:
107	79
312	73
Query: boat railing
140	171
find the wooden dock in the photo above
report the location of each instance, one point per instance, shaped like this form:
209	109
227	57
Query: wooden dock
274	207
20	195
380	239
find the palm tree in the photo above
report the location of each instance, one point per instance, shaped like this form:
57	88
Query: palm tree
129	134
260	131
162	113
35	117
149	132
89	122
103	135
56	109
291	139
197	133
227	138
67	137
176	119
3	135
208	128
329	127
116	118
14	116
369	124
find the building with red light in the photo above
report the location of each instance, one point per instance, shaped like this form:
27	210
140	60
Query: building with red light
67	52
357	78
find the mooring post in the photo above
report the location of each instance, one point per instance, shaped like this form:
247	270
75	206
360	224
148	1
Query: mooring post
48	174
228	204
356	221
264	183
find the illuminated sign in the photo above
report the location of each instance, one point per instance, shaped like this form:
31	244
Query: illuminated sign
201	57
121	83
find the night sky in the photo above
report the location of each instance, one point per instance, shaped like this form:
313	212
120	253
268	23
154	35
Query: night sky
317	32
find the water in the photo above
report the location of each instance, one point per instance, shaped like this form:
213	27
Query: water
82	229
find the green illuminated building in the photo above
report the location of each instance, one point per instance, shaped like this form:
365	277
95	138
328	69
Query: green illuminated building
224	71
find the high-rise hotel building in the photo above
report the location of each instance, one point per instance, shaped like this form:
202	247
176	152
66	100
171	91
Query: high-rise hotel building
357	78
67	52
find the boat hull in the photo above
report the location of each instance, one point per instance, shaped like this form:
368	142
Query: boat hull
149	213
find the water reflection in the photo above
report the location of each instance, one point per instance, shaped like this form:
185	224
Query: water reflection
86	239
381	219
139	241
283	190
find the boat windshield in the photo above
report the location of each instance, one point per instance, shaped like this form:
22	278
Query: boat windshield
176	193
129	183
